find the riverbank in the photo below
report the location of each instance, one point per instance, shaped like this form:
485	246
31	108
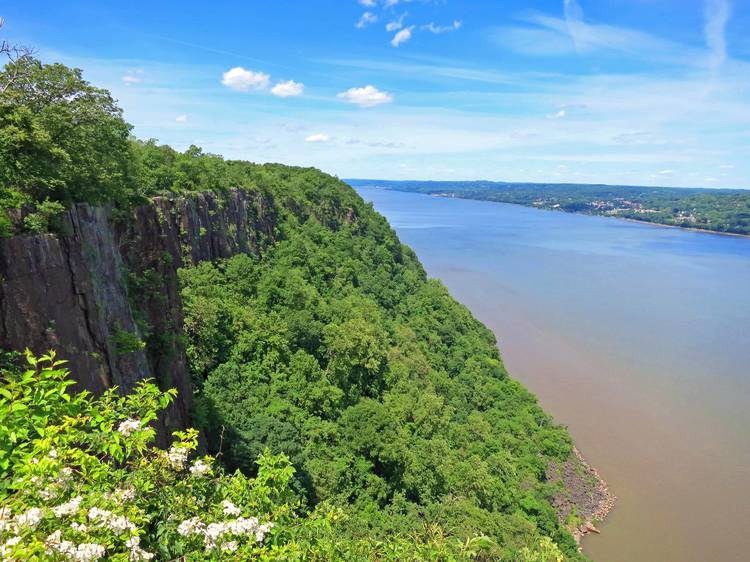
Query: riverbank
583	499
639	221
691	228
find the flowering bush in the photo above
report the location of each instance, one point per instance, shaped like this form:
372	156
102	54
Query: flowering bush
79	480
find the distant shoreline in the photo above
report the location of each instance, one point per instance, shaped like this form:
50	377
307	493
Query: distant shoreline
691	228
648	223
448	190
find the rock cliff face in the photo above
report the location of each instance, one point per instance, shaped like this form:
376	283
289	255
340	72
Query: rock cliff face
106	287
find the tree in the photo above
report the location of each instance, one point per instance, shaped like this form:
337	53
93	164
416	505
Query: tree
60	138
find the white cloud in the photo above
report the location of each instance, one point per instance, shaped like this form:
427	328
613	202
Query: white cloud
402	36
368	3
288	89
366	19
238	78
319	137
181	119
396	24
559	115
727	166
553	36
717	15
132	77
666	172
369	96
437	29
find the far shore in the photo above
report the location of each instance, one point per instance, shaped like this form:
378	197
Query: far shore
692	228
649	223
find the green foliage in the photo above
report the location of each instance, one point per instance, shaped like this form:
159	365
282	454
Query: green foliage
61	139
45	217
81	481
388	397
127	342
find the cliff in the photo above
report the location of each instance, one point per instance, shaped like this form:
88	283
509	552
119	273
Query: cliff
105	294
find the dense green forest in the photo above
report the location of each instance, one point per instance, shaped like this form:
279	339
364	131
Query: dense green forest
719	210
369	414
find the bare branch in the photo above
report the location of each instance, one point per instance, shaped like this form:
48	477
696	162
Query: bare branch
14	54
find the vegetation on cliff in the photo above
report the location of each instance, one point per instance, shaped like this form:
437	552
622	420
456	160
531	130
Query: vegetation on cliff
327	363
80	480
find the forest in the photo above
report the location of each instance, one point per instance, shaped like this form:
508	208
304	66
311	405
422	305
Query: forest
717	210
348	406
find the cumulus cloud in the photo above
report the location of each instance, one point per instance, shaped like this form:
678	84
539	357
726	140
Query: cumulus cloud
368	3
402	36
437	29
244	80
319	137
369	96
396	24
559	115
366	19
288	89
181	118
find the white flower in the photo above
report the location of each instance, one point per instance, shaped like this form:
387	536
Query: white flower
68	508
137	554
230	508
117	523
6	514
200	468
230	546
262	531
80	527
177	457
215	530
129	426
29	519
53	453
55	543
6	548
193	526
125	494
48	493
87	552
133	541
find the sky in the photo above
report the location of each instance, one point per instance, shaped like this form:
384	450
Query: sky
644	92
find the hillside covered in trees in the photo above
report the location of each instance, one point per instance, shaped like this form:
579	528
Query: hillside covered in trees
368	413
716	210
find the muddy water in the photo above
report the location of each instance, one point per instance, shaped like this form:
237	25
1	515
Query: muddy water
636	337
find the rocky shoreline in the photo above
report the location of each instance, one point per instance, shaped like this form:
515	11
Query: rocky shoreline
583	498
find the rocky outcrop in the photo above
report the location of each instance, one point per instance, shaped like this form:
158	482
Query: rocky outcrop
106	287
582	499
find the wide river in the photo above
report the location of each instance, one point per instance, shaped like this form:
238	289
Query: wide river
636	337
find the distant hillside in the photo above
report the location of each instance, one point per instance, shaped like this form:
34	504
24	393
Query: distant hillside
717	210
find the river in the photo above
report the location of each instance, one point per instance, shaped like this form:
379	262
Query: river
636	337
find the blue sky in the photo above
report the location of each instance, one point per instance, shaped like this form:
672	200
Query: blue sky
651	92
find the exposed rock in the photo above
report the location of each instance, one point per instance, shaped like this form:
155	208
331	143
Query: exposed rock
84	293
583	498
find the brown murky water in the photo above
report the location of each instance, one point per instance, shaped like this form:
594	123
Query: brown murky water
636	337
